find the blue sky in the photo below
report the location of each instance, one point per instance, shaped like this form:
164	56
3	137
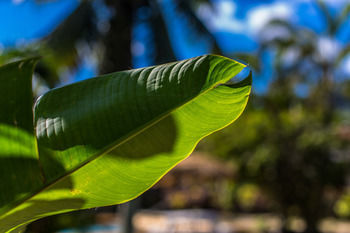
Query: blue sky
236	24
25	21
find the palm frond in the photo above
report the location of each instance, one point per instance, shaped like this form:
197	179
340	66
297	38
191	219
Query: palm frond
331	22
163	49
344	53
187	9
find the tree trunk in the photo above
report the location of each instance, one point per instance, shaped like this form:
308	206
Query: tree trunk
117	42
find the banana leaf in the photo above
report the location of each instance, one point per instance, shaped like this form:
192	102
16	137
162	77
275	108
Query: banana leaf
106	140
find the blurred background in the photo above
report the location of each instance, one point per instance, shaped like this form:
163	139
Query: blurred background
282	167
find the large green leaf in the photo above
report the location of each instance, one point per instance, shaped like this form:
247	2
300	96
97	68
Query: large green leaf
106	140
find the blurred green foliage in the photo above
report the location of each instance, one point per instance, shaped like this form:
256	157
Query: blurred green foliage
342	206
292	144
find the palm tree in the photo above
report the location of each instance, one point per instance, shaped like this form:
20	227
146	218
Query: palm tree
112	47
116	43
288	143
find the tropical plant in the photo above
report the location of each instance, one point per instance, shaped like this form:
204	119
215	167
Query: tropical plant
105	140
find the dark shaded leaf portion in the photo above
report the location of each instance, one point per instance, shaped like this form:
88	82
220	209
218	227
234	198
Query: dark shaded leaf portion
97	113
106	140
16	94
19	167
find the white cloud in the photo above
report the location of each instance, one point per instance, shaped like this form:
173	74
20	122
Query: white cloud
227	8
222	18
328	48
17	2
258	17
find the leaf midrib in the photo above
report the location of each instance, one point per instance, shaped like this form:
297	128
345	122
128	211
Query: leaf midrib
121	140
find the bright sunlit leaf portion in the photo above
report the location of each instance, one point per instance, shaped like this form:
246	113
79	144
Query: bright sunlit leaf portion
106	140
